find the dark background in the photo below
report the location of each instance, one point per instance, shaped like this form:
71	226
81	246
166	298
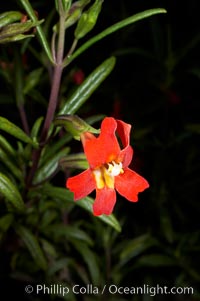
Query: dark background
154	87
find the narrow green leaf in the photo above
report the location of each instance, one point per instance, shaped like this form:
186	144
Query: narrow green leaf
90	84
15	31
36	127
6	160
86	203
113	28
59	264
88	20
69	232
11	193
155	260
77	161
50	167
32	80
135	247
7	146
33	246
30	11
49	248
12	129
16	38
90	259
51	149
74	125
9	17
48	218
5	222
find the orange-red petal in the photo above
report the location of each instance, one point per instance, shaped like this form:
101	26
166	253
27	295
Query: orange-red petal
104	202
129	184
126	156
123	130
82	184
104	148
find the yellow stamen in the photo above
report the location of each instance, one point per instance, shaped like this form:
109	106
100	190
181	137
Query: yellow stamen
99	178
105	175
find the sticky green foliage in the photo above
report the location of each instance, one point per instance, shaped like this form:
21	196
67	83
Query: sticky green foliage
88	20
33	246
90	84
32	80
11	164
90	259
74	125
77	161
86	203
15	31
117	26
9	17
49	168
136	247
11	193
12	129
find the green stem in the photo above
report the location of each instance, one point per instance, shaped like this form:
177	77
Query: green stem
30	11
24	119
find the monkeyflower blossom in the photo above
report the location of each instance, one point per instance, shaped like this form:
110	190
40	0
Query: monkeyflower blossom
108	170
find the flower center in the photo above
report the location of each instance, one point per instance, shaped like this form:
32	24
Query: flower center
105	175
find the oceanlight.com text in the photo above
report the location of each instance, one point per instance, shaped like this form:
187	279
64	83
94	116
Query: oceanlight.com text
112	289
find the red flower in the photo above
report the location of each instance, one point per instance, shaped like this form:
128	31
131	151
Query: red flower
108	168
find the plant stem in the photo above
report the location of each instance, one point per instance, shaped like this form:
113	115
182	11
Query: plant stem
24	119
53	99
19	95
58	69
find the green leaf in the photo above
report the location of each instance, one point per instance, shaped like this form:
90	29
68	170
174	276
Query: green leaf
58	265
11	193
74	125
50	167
77	161
30	11
88	20
73	14
5	222
48	218
32	80
16	38
135	247
15	31
90	259
7	161
33	246
86	203
155	260
12	129
36	127
69	232
49	248
51	149
9	17
90	84
113	28
7	146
